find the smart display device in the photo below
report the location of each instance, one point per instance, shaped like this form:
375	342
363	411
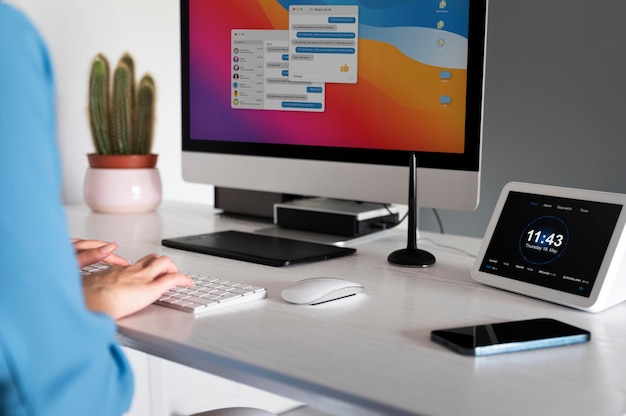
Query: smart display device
558	244
330	98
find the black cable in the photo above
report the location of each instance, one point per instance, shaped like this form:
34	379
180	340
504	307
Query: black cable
385	225
438	221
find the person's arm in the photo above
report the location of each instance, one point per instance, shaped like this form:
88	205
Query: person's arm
57	357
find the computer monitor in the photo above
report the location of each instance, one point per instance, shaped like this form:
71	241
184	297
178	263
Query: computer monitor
330	98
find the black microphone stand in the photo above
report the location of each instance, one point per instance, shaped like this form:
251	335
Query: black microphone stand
411	256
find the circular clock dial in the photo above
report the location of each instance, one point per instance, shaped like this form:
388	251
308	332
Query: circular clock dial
543	240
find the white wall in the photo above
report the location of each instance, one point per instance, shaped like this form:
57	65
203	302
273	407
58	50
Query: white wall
75	31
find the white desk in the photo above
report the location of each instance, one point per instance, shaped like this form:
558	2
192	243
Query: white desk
368	354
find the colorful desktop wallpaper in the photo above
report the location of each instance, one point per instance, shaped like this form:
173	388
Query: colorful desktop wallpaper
410	93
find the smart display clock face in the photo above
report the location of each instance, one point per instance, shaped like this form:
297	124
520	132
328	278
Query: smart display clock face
551	241
544	240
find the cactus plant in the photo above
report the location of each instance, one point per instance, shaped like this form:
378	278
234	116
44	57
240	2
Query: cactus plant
99	104
145	115
121	116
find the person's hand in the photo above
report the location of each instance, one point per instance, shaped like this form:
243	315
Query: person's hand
122	290
92	251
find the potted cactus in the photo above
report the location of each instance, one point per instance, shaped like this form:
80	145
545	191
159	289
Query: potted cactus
122	175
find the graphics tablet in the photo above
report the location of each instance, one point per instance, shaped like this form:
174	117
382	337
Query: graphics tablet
257	248
559	244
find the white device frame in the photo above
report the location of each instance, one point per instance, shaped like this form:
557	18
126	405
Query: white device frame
609	288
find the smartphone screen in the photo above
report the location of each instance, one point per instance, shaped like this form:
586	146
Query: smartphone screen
509	336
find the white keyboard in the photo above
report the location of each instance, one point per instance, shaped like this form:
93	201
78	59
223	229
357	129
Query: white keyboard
207	294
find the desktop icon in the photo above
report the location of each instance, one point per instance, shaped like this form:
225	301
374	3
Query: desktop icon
445	75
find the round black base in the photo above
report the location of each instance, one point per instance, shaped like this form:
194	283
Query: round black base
411	258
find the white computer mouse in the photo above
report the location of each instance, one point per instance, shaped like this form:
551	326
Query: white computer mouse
317	290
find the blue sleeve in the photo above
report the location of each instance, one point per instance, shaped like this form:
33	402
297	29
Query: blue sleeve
56	357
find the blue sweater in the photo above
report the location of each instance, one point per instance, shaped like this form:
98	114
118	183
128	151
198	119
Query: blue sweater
56	357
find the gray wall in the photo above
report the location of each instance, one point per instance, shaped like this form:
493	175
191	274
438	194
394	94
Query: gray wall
555	101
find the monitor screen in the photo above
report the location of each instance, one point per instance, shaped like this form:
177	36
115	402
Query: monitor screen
330	98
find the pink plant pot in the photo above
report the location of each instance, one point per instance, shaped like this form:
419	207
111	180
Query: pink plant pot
122	191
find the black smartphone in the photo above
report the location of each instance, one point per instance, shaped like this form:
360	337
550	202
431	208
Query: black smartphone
513	336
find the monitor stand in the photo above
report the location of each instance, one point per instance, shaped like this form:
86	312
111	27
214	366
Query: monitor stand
242	202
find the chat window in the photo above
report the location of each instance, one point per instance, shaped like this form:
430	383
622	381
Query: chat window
260	74
323	43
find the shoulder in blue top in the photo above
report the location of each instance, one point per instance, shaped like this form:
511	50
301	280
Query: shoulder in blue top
56	357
